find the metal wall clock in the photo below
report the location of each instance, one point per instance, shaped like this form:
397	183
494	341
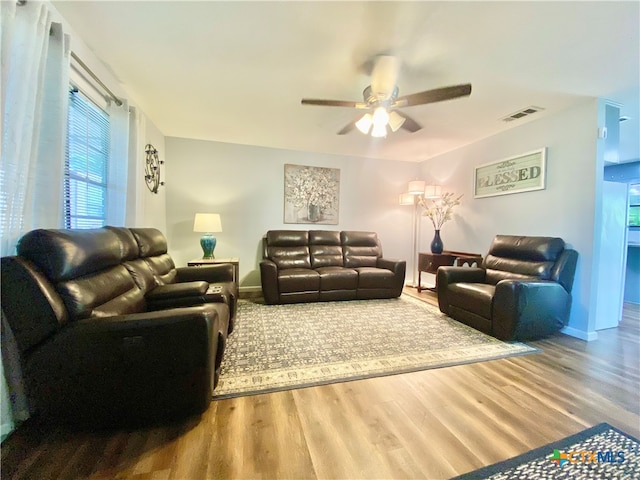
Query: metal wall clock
152	169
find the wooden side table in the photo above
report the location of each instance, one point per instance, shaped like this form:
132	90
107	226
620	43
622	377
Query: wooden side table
215	261
430	262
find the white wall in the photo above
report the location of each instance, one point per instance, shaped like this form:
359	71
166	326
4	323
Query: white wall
245	184
148	209
564	209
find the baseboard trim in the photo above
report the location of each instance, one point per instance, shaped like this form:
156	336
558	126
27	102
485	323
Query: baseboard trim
251	292
581	334
5	430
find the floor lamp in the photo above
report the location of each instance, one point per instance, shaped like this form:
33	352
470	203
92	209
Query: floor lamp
416	188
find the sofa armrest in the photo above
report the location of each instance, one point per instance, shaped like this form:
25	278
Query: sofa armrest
222	272
396	266
145	365
269	280
177	290
446	276
529	309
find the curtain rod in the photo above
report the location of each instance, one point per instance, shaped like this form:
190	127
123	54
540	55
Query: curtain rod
95	77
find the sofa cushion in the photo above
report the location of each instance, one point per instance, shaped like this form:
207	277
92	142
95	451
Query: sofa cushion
128	244
298	280
163	268
109	292
326	256
151	241
371	277
473	297
141	273
360	249
290	257
523	258
65	254
337	278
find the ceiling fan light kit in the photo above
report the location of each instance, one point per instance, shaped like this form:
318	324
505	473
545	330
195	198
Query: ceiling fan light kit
381	98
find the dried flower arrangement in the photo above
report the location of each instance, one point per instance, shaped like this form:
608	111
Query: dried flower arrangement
439	210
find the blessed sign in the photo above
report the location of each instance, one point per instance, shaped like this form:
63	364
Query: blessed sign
522	173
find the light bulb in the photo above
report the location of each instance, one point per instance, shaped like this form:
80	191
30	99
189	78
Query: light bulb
380	118
379	130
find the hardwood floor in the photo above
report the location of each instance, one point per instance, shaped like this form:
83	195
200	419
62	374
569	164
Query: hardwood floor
432	424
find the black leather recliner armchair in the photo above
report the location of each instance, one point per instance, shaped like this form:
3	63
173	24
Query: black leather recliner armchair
521	291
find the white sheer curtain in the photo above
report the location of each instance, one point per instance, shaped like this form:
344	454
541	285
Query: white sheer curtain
135	179
35	79
116	210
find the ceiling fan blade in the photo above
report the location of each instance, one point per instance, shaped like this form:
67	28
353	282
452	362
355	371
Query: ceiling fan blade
384	75
347	128
333	103
435	95
409	123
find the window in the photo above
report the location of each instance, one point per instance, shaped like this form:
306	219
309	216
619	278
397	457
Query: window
87	154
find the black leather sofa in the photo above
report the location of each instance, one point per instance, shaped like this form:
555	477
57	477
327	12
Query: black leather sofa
521	291
325	265
109	331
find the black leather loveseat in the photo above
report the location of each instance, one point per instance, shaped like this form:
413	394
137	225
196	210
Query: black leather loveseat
521	291
324	265
94	317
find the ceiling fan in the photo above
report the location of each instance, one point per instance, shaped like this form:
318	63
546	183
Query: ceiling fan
382	101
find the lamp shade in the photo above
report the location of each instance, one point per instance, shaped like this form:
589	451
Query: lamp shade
207	222
364	124
416	187
407	199
395	121
432	191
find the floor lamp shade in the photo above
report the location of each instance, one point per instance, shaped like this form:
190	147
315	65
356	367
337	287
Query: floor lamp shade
208	223
416	187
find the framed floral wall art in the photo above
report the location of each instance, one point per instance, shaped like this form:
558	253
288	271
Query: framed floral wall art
311	194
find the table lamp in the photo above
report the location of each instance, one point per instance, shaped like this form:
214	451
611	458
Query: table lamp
207	223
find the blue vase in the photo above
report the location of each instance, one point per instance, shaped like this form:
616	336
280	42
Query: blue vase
208	244
436	243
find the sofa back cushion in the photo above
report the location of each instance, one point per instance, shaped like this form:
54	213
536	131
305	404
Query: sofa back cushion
518	257
128	244
141	273
288	248
152	245
66	254
325	248
163	268
360	249
85	269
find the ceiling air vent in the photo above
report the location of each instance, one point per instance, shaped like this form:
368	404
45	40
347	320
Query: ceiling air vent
525	112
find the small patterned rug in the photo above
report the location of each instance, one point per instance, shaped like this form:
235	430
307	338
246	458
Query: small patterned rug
281	347
600	452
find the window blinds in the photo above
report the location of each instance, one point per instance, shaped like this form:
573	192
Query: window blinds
87	154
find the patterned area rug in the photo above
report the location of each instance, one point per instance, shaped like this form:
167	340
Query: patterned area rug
281	347
600	452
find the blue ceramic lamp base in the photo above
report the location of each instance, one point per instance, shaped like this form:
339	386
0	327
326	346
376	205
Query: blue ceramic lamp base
208	244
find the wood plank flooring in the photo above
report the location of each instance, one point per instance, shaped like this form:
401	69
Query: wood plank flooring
433	424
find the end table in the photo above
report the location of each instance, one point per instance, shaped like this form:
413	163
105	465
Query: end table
430	262
215	261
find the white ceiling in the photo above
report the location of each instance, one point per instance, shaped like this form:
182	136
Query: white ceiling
236	71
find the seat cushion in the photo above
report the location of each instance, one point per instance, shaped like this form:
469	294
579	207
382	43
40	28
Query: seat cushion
473	297
337	278
372	277
298	280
